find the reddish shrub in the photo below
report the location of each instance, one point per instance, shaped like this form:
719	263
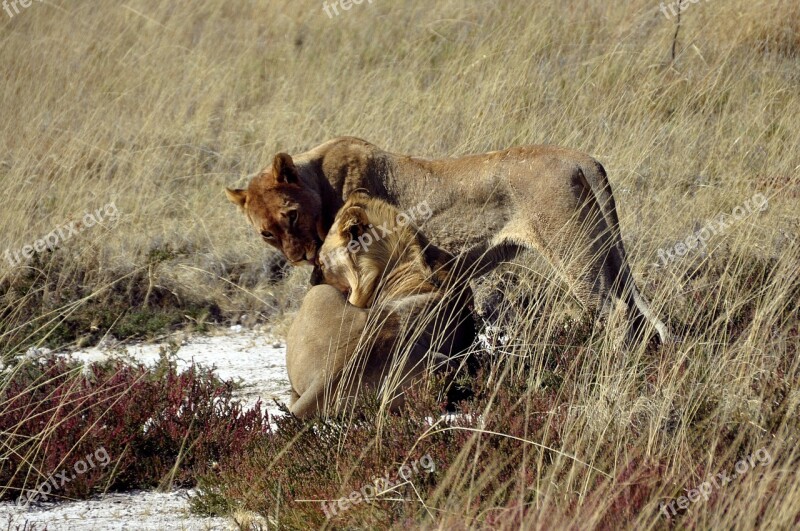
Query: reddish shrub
154	424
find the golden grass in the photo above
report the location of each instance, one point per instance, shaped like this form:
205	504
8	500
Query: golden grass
156	106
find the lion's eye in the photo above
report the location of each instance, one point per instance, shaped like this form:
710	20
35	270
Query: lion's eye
267	235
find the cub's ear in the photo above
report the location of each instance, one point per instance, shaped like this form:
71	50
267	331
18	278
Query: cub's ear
353	223
238	197
284	170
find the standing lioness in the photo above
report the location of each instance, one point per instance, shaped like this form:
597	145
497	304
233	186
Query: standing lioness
553	200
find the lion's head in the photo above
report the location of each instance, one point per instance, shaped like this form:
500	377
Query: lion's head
283	210
374	248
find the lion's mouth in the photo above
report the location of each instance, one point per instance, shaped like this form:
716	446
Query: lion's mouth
310	258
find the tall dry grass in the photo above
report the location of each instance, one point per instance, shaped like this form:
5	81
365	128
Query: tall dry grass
156	106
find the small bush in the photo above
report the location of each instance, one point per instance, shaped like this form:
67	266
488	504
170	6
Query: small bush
156	425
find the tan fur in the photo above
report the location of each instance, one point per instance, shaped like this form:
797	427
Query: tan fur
486	208
403	323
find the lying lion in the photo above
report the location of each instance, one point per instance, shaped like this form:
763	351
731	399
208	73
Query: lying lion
549	199
400	325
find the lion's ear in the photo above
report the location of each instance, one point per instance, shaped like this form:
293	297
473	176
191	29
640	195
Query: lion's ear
238	197
283	169
353	223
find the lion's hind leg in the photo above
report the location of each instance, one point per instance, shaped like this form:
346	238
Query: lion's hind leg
314	400
309	403
572	235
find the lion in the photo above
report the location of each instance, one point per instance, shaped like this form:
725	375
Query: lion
398	323
486	208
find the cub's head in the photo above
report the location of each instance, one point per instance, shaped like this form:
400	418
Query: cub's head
374	247
284	212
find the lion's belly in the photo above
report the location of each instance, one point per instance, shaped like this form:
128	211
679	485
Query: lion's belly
464	225
456	215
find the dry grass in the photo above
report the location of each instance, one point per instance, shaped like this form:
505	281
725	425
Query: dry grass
156	106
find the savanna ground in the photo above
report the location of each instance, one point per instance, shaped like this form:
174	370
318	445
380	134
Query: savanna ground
153	107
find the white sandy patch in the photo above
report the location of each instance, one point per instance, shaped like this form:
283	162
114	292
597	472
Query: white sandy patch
145	511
